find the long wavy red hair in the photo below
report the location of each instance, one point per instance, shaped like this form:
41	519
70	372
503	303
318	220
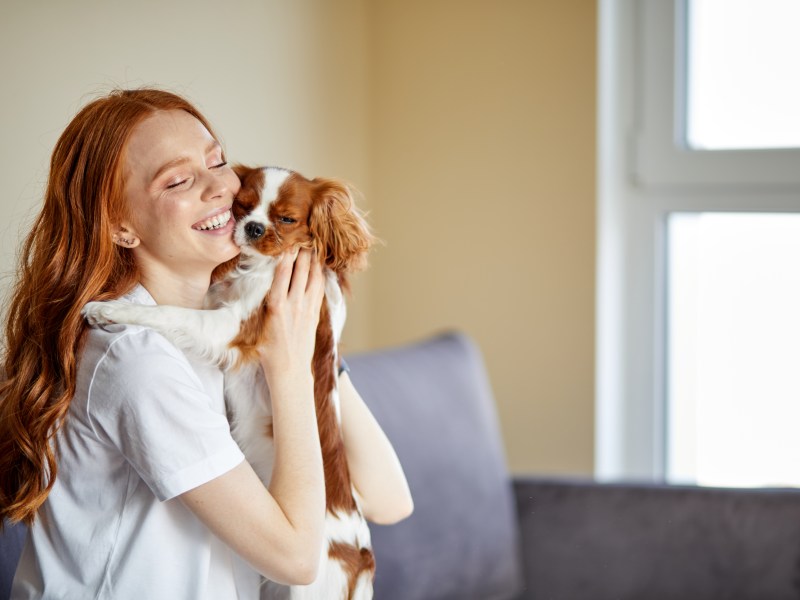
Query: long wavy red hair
68	259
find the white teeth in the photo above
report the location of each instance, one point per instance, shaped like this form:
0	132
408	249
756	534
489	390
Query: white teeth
215	222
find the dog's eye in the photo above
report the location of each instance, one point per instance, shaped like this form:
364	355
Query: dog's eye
287	220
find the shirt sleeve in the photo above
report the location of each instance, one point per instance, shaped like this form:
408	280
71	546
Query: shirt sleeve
146	400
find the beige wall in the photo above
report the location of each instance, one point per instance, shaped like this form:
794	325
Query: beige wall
483	187
468	124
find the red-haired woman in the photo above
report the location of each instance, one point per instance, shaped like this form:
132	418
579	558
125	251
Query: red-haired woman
114	446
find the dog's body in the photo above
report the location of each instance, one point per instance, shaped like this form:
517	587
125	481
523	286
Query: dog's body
275	210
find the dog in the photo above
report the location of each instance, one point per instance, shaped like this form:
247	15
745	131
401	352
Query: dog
275	210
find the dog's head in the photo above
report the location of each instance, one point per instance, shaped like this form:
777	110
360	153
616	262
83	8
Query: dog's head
277	209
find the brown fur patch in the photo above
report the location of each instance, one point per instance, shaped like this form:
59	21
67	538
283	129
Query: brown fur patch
221	270
354	561
251	335
338	489
250	193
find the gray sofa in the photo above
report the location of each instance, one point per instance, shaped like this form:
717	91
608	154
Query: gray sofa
478	534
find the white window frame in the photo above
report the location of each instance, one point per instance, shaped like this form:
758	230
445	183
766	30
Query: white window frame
645	172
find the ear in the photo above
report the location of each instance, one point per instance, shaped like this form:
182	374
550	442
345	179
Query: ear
340	234
124	235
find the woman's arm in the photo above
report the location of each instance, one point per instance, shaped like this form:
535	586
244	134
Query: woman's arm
374	468
279	530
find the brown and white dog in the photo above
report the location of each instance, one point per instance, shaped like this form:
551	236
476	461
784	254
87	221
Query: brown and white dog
275	210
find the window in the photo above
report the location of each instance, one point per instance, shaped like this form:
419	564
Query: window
733	336
669	181
741	56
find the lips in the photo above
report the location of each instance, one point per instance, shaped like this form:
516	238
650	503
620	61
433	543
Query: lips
215	221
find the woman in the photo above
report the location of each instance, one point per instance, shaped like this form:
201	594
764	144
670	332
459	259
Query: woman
114	446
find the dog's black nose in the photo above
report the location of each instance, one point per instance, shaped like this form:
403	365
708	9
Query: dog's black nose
254	230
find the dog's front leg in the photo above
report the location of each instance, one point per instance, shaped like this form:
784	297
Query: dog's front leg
202	333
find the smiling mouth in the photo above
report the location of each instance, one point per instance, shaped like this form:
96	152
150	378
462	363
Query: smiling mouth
216	222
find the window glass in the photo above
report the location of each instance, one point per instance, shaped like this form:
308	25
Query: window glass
733	377
742	65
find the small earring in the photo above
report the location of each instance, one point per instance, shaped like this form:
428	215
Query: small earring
123	241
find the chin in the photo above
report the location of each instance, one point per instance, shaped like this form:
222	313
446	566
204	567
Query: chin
225	254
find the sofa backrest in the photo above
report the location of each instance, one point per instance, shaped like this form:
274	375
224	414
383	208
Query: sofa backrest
11	541
655	541
435	404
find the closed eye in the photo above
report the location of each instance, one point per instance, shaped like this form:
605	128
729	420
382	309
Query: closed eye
286	220
220	165
177	183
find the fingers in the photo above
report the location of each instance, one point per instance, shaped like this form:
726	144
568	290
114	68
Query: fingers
283	276
316	281
301	272
298	274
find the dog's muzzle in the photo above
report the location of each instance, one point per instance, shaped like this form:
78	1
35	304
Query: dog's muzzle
254	230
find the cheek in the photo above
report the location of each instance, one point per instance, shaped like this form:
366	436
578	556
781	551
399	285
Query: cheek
162	219
140	214
231	181
301	235
269	244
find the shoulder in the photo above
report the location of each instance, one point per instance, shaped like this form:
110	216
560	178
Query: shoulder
132	378
131	349
125	367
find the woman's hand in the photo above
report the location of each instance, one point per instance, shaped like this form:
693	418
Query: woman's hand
294	303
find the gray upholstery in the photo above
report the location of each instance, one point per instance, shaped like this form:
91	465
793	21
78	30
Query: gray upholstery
584	540
11	540
434	402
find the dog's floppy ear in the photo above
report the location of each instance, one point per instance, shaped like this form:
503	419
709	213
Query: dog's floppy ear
340	234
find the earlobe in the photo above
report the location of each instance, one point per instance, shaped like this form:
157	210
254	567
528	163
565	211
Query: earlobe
122	236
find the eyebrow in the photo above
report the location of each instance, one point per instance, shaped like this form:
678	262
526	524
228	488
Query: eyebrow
182	160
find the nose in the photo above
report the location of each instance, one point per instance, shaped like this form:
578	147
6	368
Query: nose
214	187
254	230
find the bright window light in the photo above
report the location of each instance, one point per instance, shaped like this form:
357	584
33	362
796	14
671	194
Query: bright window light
733	349
743	60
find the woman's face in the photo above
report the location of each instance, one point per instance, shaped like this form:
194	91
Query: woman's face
179	192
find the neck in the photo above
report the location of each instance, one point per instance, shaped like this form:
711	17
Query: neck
167	289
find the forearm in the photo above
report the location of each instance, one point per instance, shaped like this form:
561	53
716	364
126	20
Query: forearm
374	467
277	529
298	482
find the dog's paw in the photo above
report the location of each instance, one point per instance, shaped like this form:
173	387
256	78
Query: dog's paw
97	313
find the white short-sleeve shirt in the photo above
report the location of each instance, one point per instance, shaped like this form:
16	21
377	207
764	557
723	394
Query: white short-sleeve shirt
145	425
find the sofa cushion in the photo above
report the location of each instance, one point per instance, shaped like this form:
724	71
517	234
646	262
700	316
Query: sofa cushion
626	541
434	402
12	539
